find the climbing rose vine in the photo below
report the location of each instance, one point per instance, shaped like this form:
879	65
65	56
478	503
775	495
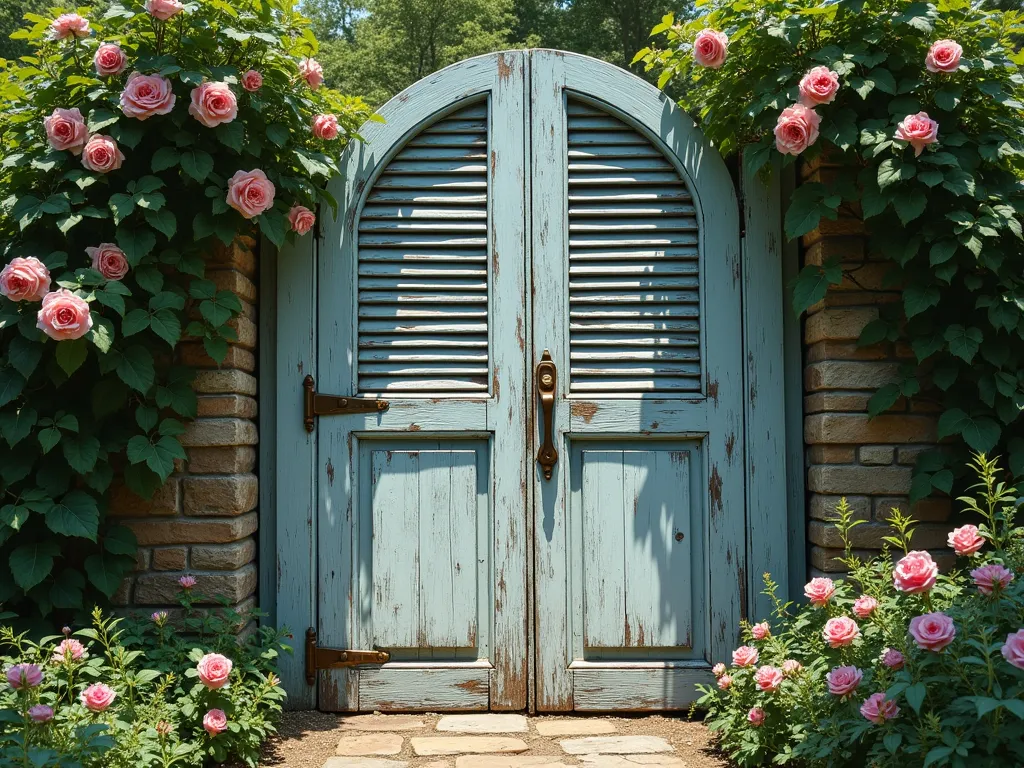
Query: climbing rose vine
134	143
919	107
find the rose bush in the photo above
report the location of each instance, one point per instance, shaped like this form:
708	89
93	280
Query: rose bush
930	673
920	106
134	142
131	693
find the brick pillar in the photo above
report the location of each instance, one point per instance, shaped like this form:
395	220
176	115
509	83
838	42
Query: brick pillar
203	520
869	461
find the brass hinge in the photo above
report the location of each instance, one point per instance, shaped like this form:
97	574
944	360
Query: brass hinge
318	658
316	404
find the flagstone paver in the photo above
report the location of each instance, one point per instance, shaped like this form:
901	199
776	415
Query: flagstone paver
436	764
576	727
615	745
631	761
370	744
382	723
506	761
483	723
363	762
454	745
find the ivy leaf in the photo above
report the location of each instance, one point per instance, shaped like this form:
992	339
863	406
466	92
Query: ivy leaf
196	163
941	252
71	354
812	284
166	325
135	321
959	182
106	571
66	591
163	221
11	384
135	368
892	170
164	158
75	515
918	298
102	333
979	432
122	206
158	456
81	451
136	242
31	563
804	210
884	399
963	342
24	355
231	135
910	204
930	177
15	425
273	225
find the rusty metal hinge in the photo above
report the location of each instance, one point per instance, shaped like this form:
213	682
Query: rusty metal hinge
316	404
318	658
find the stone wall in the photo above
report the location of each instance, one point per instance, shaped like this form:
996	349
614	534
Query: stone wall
203	520
847	454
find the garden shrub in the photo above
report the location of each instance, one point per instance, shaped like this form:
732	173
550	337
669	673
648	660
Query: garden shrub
135	693
920	104
133	141
896	665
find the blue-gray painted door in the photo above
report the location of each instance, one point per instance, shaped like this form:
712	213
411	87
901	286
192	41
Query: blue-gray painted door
512	205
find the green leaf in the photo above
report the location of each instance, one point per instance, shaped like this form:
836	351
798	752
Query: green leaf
812	284
122	206
102	333
942	252
918	298
66	591
136	242
15	425
166	325
135	321
884	399
231	134
196	163
135	368
930	177
71	354
81	451
75	515
948	96
11	384
274	225
120	540
100	119
163	221
804	210
980	433
24	355
164	158
48	438
910	204
31	563
915	696
963	342
893	170
884	81
106	571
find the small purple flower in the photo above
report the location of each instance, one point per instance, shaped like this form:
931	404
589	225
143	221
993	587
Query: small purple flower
41	713
24	676
187	582
159	618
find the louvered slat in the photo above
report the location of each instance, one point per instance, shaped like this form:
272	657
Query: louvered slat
423	290
634	282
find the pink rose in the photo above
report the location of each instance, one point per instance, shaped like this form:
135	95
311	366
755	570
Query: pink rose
761	631
919	131
213	104
325	127
932	631
108	260
69	648
943	56
768	678
819	591
819	86
25	279
756	716
301	219
65	129
109	60
796	130
163	9
840	631
1013	648
724	683
878	709
187	582
710	48
24	676
250	192
718	670
893	659
40	713
97	697
745	656
215	721
792	667
146	95
101	154
842	681
916	572
965	540
252	80
864	606
69	25
214	670
64	316
311	71
991	578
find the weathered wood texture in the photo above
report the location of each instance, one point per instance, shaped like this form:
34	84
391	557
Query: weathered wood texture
602	690
424	690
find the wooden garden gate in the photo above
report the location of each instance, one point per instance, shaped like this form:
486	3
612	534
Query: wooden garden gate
533	493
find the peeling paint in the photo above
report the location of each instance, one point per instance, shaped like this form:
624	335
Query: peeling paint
504	68
415	427
330	472
730	446
585	411
713	390
715	487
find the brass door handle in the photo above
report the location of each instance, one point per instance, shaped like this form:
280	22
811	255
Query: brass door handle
547	380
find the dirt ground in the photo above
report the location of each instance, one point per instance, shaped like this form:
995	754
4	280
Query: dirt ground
307	739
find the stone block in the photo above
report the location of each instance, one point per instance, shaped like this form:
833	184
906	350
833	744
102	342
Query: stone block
169	558
226	557
870	535
849	375
234	281
876	454
876	481
143	557
844	350
239	255
216	432
836	401
163	588
123	595
125	503
246	330
825	559
824	507
233	459
831	454
222	382
934	510
226	405
838	324
859	429
220	496
194	355
193	531
843	249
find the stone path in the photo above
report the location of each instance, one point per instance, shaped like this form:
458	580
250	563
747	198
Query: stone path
319	740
